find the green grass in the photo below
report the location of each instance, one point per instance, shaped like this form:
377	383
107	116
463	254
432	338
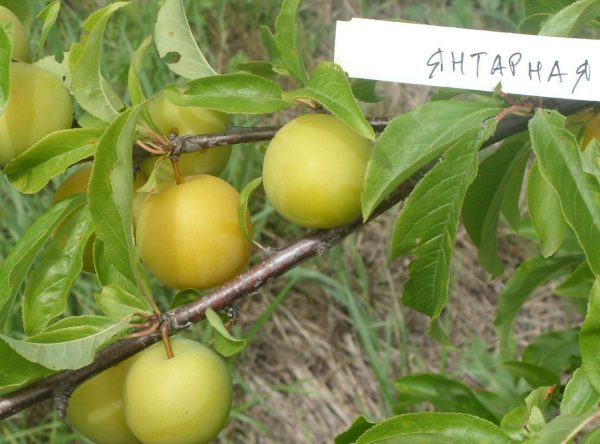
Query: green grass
226	31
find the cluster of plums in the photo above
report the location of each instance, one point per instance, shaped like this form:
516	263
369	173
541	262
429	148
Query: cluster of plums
188	235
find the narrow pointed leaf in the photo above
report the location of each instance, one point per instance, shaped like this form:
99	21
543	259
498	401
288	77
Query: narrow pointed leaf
174	38
32	170
452	428
17	371
329	86
108	275
570	20
414	139
560	164
428	222
5	60
544	210
578	284
16	265
589	338
48	15
117	303
243	202
134	85
240	92
483	203
445	394
286	38
511	202
88	86
590	159
535	375
358	427
46	294
560	428
527	277
579	397
557	351
224	342
71	347
110	192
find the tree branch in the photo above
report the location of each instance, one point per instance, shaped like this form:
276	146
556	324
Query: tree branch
313	244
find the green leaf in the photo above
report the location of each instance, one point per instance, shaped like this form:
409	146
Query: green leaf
558	429
5	61
243	201
134	86
532	24
592	437
525	279
108	275
329	86
174	39
268	40
579	397
257	67
527	418
69	347
534	375
46	294
237	93
414	139
116	303
21	8
571	19
454	428
483	203
286	39
90	89
16	265
186	296
545	6
445	394
560	164
224	343
358	427
31	171
590	158
60	70
110	192
365	90
557	351
16	371
544	210
428	222
589	338
578	284
48	15
511	201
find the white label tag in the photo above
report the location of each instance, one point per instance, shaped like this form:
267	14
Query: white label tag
469	59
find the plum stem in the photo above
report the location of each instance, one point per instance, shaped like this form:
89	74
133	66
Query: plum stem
175	163
164	332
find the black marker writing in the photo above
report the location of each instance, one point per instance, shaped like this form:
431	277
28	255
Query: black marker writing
436	64
584	71
537	70
513	61
459	62
478	55
497	65
555	72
